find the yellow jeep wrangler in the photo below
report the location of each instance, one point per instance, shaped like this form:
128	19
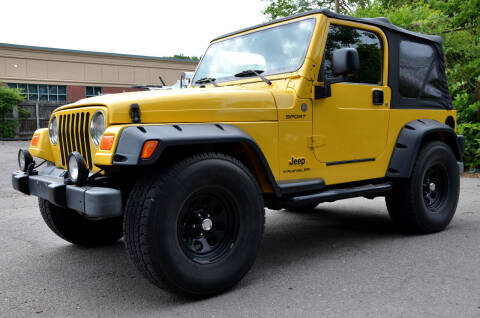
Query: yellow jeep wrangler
312	108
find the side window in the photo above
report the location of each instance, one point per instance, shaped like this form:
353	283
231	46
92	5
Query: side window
418	74
370	51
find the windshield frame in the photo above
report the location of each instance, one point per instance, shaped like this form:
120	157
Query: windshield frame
233	78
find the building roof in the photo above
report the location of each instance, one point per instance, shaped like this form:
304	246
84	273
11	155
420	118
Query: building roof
51	49
381	22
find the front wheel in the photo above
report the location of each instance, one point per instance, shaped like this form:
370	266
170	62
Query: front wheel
74	228
427	201
195	228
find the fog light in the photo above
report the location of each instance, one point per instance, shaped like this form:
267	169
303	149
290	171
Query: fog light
77	169
25	159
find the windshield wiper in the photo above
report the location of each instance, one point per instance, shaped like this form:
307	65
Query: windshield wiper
207	80
258	73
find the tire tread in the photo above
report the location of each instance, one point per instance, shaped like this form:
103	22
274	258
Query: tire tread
139	206
74	228
401	202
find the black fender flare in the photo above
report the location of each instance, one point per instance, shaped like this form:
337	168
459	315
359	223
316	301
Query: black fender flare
132	139
410	140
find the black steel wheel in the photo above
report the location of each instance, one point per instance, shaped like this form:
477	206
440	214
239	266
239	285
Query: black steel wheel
208	225
426	202
435	187
195	227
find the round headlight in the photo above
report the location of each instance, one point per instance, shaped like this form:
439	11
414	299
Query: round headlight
77	169
97	127
53	130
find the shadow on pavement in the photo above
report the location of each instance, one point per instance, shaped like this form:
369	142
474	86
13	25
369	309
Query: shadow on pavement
294	236
107	275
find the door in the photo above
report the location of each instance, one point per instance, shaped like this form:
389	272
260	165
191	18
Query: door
351	125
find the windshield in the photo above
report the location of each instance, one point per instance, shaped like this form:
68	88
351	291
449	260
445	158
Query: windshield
276	50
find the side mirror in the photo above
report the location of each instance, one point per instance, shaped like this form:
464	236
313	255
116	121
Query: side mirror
344	62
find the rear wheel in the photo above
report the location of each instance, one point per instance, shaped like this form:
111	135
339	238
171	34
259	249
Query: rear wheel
195	228
72	227
427	201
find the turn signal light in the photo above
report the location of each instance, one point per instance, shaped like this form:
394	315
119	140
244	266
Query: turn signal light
107	142
35	140
149	148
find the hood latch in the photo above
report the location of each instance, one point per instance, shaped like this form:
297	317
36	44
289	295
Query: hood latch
135	113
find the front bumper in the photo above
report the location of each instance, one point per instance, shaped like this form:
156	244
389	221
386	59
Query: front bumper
93	202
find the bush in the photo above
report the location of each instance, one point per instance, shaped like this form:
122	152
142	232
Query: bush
8	128
472	144
9	98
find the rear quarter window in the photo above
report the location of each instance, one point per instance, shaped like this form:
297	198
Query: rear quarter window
418	71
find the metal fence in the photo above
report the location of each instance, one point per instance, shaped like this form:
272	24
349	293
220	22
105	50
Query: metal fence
39	115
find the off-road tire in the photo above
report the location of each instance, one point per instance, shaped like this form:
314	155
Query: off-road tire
154	223
413	206
74	228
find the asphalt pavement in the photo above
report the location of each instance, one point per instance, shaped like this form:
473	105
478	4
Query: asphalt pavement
345	259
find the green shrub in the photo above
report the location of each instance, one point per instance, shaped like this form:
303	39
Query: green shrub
467	107
8	128
467	110
472	144
9	98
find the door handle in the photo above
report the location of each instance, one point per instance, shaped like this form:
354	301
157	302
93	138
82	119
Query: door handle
377	97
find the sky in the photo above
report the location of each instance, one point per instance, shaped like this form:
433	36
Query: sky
141	27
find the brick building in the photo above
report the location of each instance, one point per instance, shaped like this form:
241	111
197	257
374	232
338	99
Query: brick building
51	77
60	76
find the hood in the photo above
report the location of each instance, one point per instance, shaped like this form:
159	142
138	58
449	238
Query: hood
190	105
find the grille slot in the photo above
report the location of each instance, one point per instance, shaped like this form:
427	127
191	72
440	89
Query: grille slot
73	135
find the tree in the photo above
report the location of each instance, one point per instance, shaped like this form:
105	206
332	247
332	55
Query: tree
283	8
184	57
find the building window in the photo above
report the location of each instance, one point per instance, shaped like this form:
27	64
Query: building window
52	93
92	91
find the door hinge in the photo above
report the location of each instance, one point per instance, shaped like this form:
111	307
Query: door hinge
315	141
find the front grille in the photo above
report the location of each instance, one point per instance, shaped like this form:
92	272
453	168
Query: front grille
74	135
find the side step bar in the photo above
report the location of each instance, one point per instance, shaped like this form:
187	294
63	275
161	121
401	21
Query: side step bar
337	194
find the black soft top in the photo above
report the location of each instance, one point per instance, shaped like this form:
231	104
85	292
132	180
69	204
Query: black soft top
381	22
416	71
